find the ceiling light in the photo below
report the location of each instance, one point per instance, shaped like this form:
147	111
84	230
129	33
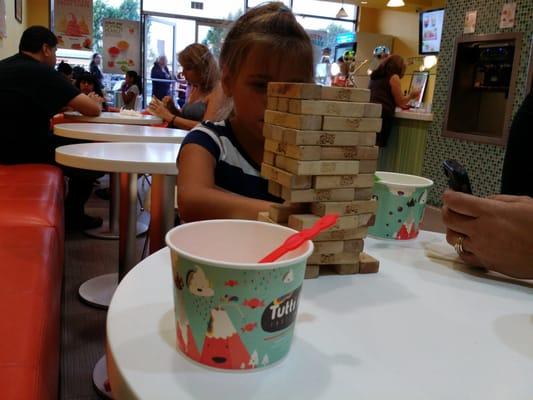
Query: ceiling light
395	3
342	12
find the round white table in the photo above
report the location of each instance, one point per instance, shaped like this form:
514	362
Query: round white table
114	118
418	329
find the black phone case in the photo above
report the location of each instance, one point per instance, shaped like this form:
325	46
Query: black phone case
457	176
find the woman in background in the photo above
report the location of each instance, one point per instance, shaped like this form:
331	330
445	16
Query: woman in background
160	71
386	89
95	68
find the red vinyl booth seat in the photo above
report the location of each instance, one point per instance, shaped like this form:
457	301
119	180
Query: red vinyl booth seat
31	267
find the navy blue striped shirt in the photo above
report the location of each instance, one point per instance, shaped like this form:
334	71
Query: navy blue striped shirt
235	171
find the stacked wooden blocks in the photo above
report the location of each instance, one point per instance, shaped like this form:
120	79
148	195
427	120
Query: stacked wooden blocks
320	158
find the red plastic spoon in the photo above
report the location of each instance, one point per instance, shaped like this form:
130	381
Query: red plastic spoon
296	240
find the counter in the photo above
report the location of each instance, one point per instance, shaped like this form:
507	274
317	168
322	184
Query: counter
407	143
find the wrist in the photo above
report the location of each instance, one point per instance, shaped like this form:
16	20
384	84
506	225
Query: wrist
171	121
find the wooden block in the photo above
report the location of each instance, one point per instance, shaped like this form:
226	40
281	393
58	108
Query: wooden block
307	153
285	178
274	188
263	217
332	108
339	246
345	94
367	264
318	138
269	157
296	121
311	271
281	212
283	104
347	269
310	195
349	153
345	207
363	193
353	246
342	181
343	234
333	258
294	90
302	221
368	166
272	103
351	124
317	167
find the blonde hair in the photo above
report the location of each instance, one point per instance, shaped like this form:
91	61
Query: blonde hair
197	57
271	24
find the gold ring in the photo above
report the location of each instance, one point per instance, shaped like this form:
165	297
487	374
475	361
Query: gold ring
458	246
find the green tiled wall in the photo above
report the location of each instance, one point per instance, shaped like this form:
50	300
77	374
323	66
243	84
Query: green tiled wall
484	162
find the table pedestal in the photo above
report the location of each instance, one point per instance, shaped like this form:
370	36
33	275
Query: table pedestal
97	292
100	380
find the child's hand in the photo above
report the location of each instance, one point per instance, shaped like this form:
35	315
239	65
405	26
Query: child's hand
169	104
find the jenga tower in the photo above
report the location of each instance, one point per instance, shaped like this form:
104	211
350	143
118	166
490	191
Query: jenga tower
320	158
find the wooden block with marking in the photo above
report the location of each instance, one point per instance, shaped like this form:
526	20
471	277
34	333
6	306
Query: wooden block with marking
343	181
285	178
333	258
367	264
302	221
269	157
272	103
368	166
281	212
297	167
311	271
308	153
296	121
351	124
294	90
345	207
345	94
343	234
349	153
283	104
363	193
332	108
318	138
311	195
274	188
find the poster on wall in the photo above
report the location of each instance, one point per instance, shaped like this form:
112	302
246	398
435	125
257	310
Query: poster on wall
121	46
507	16
3	30
73	24
470	21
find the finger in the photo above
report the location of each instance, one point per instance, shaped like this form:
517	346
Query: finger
457	222
452	238
509	198
465	204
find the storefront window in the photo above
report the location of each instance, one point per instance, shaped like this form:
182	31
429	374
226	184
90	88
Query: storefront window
214	9
327	9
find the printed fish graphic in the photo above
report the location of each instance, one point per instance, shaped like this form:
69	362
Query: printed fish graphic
231	283
249	327
253	303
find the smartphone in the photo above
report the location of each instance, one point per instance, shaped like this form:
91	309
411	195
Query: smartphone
457	176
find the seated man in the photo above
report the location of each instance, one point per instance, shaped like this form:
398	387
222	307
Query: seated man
31	93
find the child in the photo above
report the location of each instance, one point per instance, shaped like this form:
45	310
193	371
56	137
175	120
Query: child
219	163
89	85
130	90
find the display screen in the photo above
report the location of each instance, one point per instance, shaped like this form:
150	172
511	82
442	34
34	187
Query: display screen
430	31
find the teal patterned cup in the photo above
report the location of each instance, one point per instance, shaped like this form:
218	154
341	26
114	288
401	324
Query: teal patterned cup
401	202
233	313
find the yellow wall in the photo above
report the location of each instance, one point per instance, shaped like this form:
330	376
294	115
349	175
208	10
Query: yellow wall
40	12
10	44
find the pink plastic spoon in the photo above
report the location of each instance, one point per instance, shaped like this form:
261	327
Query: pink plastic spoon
297	239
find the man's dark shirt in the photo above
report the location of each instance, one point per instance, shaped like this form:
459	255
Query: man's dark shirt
31	93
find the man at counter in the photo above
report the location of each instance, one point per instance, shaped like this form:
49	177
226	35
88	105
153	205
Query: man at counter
31	93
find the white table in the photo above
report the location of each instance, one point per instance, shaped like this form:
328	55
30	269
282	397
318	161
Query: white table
114	118
418	329
129	159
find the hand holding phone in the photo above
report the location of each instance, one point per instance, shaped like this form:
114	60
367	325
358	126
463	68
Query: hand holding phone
457	176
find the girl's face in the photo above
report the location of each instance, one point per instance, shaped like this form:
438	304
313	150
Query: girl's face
128	79
248	86
98	60
192	76
86	87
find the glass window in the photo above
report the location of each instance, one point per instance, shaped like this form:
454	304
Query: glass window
322	8
215	9
330	30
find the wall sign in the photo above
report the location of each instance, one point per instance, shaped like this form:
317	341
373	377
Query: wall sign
470	21
73	24
121	46
508	15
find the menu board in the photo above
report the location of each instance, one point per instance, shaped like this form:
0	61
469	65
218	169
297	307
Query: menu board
431	23
121	51
73	24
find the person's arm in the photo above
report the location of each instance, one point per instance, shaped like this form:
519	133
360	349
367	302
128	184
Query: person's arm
128	96
85	105
215	104
158	108
497	231
198	196
396	89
